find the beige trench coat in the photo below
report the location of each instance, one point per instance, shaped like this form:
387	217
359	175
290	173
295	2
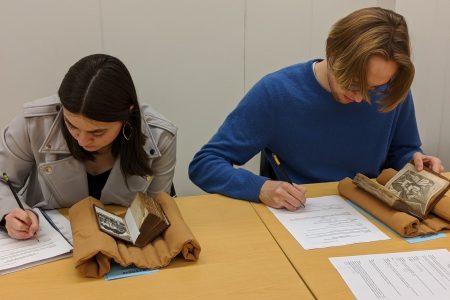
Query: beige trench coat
34	154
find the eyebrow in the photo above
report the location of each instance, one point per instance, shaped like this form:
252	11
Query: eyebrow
90	131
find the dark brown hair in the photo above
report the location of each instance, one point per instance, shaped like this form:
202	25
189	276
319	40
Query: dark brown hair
99	87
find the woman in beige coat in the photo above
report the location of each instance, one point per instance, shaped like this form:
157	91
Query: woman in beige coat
93	139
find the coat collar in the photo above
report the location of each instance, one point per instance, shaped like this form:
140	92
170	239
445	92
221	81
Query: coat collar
54	142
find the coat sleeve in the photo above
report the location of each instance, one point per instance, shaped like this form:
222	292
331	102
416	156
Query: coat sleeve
16	160
164	167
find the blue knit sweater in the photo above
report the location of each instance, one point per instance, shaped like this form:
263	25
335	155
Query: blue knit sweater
317	138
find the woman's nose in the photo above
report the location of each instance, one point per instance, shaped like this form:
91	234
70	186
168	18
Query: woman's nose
83	139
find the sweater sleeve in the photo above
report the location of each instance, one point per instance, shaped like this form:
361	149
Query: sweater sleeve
244	133
405	141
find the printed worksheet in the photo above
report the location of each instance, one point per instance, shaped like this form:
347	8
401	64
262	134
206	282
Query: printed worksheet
60	223
326	222
405	275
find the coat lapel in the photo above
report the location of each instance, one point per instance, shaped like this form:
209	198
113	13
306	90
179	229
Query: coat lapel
67	179
62	173
116	189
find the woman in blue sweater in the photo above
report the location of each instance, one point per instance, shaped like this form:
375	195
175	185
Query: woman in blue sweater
325	119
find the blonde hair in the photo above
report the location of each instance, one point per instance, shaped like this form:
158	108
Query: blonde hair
363	34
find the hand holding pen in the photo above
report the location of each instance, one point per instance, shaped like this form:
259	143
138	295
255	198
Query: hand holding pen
20	223
282	194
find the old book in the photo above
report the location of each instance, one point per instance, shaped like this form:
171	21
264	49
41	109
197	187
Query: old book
142	223
409	191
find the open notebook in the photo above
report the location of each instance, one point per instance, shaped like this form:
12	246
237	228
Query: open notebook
16	255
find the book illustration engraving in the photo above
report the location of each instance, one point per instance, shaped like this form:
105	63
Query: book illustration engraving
409	190
415	189
112	224
143	221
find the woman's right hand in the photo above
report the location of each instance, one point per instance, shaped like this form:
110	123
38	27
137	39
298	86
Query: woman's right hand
21	224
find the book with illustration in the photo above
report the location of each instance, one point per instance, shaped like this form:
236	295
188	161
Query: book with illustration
409	190
142	223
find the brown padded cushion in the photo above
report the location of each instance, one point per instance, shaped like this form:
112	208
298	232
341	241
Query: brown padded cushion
402	223
94	249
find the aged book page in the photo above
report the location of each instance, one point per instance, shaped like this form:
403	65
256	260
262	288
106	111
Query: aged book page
410	191
143	221
380	192
418	190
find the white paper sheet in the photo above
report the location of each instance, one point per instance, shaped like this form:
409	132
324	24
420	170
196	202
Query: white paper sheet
20	254
405	275
328	221
61	222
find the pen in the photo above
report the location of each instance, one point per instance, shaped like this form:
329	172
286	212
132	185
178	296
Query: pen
285	174
6	179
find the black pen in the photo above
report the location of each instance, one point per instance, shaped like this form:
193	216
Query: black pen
6	179
285	174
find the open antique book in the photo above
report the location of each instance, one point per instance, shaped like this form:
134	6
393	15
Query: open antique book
143	221
409	191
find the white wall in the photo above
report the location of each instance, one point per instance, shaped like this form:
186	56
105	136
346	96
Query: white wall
193	60
39	40
429	27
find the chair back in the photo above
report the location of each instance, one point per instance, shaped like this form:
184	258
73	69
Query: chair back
173	193
265	168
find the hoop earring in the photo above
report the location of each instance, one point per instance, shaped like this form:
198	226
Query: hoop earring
127	130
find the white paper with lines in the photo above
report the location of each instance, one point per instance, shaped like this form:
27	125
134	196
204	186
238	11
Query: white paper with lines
406	275
326	222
